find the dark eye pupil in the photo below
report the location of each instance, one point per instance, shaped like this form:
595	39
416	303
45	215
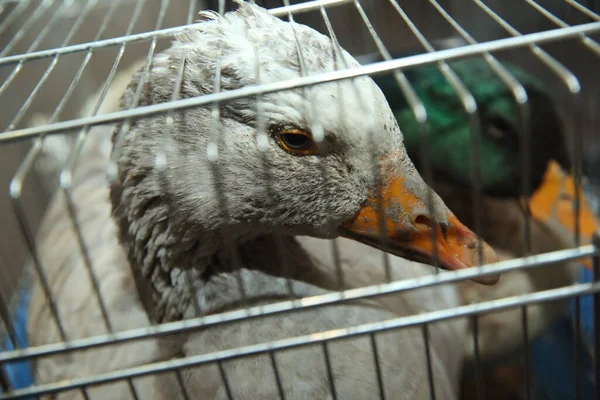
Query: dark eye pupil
498	127
500	124
295	141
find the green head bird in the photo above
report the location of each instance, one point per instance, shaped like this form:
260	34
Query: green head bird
449	145
552	190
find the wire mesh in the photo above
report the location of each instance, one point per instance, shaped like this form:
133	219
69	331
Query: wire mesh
113	313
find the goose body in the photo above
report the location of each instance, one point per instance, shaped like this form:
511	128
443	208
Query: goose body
159	254
402	355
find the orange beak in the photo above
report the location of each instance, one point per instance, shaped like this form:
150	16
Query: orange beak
553	204
409	231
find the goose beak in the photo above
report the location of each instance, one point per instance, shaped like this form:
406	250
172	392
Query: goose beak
553	204
410	232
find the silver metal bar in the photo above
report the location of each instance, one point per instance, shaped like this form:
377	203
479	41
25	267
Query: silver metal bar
5	385
420	114
377	366
6	320
335	250
304	303
225	381
276	375
16	119
479	383
590	43
25	107
84	391
470	107
161	165
212	152
68	172
305	7
318	137
425	332
23	170
520	95
374	161
594	46
10	78
372	69
581	8
316	301
36	42
577	348
184	391
558	68
156	34
525	326
596	308
577	162
66	184
37	13
315	338
418	110
262	144
126	124
15	189
330	376
14	14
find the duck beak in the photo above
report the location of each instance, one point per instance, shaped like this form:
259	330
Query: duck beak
553	204
409	231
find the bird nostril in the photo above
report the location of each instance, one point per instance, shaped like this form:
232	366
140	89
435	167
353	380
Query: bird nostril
423	220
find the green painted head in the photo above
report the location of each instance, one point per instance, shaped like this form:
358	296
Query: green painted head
450	147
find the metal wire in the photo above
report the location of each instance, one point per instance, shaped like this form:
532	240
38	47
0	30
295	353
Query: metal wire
325	10
417	108
480	385
376	68
524	325
596	308
376	172
430	378
576	345
378	365
359	330
305	303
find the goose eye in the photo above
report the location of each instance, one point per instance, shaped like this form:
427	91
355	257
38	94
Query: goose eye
297	142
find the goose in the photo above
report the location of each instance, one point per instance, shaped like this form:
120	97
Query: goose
551	194
158	251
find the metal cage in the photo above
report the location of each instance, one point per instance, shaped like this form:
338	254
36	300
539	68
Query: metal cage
56	55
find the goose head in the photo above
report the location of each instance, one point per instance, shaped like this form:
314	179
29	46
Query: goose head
211	193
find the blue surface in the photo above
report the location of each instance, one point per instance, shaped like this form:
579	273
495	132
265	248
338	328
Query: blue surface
19	372
586	304
553	365
553	354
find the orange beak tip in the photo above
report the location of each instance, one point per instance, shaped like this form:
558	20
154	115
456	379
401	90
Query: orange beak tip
489	256
408	230
461	255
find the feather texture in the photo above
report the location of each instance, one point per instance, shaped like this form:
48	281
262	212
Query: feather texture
151	269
